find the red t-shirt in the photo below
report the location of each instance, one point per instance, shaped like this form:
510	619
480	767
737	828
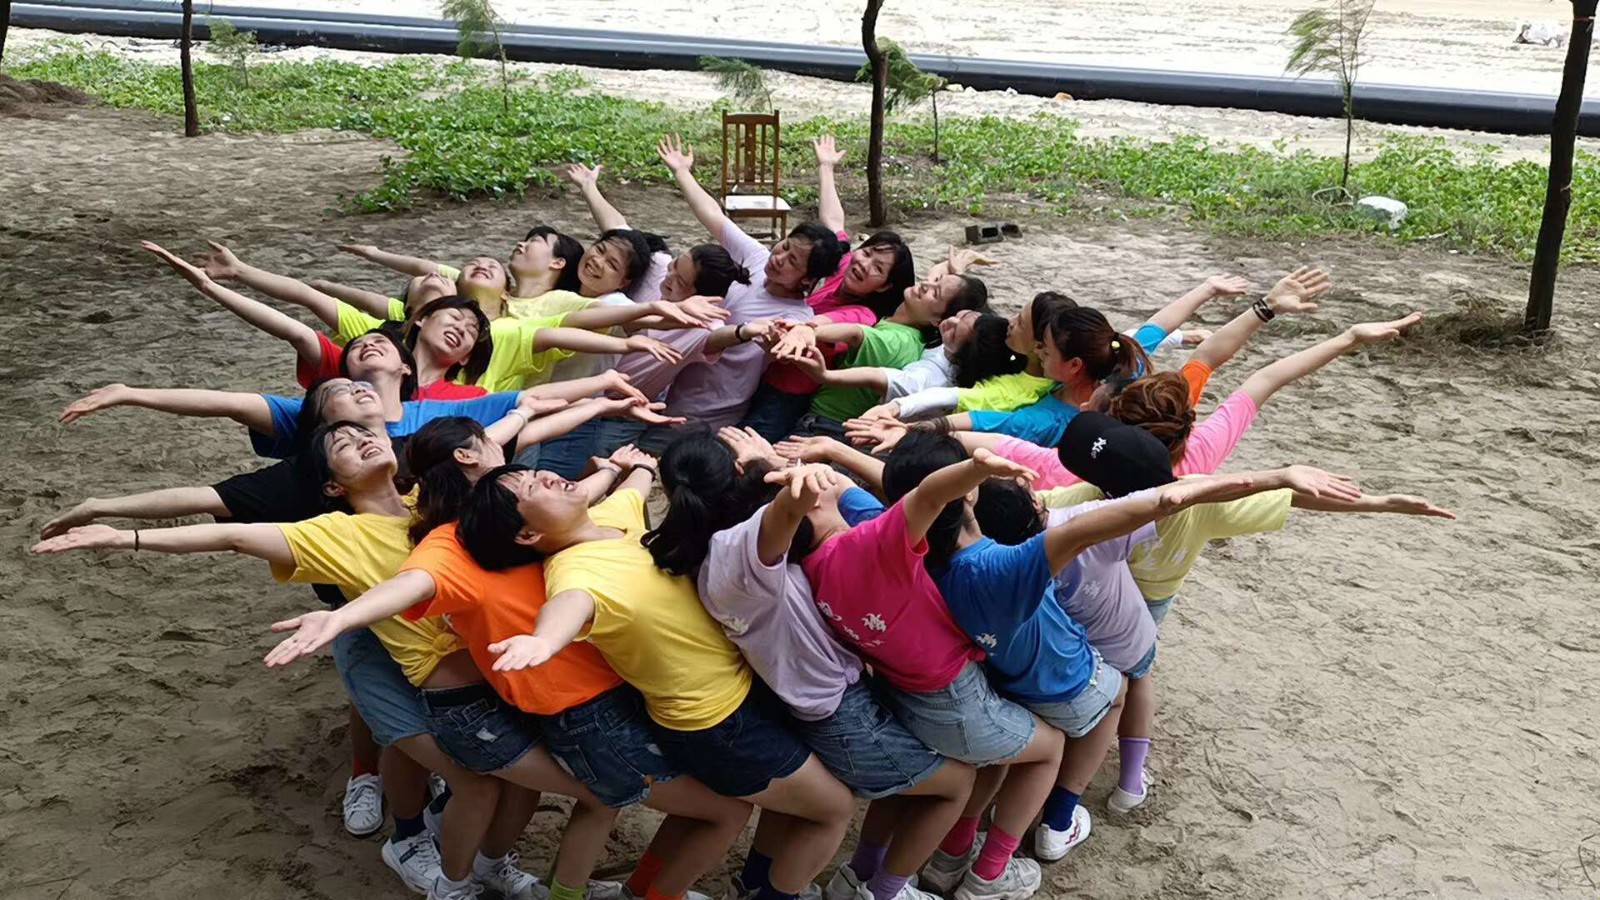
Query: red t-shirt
328	367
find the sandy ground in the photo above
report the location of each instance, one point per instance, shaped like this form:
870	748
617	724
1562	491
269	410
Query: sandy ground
1355	707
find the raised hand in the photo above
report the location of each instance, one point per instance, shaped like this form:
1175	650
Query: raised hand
1410	505
998	466
190	273
618	383
760	331
678	156
312	632
805	483
827	153
1318	483
650	414
812	363
1294	292
795	342
817	448
361	250
628	456
1373	332
696	312
94	401
747	446
639	343
889	412
220	264
521	652
877	435
1227	285
582	175
1194	337
83	537
963	258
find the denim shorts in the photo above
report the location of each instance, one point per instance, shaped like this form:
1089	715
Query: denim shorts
477	729
966	719
865	747
1142	667
739	756
1078	716
811	425
1159	609
389	704
616	432
774	413
565	455
607	744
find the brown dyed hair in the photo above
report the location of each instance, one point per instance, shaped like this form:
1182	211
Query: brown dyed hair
1160	405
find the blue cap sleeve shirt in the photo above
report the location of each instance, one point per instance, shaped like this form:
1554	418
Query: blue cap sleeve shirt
1003	598
414	414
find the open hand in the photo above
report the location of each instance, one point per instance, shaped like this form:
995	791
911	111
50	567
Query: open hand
82	514
748	447
998	466
618	383
521	652
362	250
94	401
1373	332
189	272
581	175
639	343
221	264
1294	292
877	435
1227	285
312	632
651	414
695	312
817	448
83	537
1414	506
678	155
805	483
1318	483
827	153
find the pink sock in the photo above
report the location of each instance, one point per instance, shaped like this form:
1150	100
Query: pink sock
959	838
1132	751
996	852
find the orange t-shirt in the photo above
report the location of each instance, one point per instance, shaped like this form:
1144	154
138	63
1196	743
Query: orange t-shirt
1197	374
484	607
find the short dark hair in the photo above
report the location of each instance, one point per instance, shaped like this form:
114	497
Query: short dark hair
490	523
314	458
1006	512
392	332
566	248
902	273
442	488
477	361
826	249
637	247
918	455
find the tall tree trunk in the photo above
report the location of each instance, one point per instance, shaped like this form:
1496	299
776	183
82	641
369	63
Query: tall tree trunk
5	19
191	111
1349	138
1558	190
935	98
880	85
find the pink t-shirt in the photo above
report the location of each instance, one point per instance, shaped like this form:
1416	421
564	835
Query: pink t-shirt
824	301
1209	445
875	593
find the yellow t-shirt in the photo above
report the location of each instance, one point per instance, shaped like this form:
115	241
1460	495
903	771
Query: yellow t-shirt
354	322
651	626
1160	566
1004	393
549	303
356	553
515	364
450	272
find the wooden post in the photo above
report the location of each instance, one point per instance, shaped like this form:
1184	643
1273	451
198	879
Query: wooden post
880	85
191	111
5	19
1558	190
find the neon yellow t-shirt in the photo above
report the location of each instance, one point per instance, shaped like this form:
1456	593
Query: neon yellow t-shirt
651	626
450	272
1004	393
354	322
515	364
549	303
356	553
1160	566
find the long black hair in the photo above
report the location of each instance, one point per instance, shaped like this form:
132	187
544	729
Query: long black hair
442	488
826	251
477	361
716	270
637	248
902	273
918	455
313	461
1006	512
985	353
705	494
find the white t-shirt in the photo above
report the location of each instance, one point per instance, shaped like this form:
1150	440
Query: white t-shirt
931	371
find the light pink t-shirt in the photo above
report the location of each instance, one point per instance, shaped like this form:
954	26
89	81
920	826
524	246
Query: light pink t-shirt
651	375
1209	445
874	591
718	393
648	288
1098	591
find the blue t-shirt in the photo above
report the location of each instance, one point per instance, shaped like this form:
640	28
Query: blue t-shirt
1004	599
414	414
858	506
1046	421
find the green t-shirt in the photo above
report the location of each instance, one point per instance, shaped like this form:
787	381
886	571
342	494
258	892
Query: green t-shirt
515	364
886	344
1004	393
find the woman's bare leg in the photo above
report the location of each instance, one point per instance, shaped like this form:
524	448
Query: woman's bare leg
1084	756
473	799
700	827
587	829
1030	776
925	814
405	783
819	807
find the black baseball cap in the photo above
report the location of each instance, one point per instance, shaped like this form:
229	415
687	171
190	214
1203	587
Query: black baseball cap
1113	456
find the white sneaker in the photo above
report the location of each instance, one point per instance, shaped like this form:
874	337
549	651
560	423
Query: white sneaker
468	891
737	891
606	890
1019	881
511	882
1123	802
843	885
1050	844
436	786
943	871
363	805
908	891
415	860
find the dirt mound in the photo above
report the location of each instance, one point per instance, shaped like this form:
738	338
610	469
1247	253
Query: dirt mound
27	98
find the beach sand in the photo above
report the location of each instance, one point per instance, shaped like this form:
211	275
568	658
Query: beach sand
1354	707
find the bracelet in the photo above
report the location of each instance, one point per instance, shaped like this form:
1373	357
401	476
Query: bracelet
136	540
738	332
1263	311
654	472
613	468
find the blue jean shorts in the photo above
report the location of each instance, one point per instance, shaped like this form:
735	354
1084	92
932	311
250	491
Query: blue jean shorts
1142	667
773	414
1159	609
565	455
477	729
607	744
865	747
739	756
389	704
1078	716
966	719
616	432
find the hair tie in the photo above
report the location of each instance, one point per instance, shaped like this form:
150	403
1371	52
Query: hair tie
1116	344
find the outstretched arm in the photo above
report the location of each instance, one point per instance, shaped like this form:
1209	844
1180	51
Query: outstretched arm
830	212
925	501
815	367
579	388
315	630
249	410
827	450
370	302
801	488
1404	504
222	265
679	158
561	620
587	178
263	541
1172	316
167	503
1293	293
1269	380
285	328
695	312
409	265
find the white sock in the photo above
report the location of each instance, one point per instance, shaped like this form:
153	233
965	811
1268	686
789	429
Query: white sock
443	884
483	866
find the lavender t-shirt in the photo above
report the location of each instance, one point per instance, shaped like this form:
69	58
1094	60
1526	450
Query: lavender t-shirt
769	614
718	393
1098	592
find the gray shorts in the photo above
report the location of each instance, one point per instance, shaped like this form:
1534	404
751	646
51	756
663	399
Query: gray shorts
966	719
1078	716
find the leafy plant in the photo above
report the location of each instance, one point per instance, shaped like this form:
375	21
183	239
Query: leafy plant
234	47
746	84
907	85
478	30
1329	40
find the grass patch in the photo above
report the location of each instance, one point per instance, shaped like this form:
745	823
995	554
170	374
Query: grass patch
461	143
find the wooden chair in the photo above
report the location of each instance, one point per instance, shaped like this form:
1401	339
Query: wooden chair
750	171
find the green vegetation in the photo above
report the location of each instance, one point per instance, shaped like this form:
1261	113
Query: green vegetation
745	84
908	85
478	27
234	47
460	142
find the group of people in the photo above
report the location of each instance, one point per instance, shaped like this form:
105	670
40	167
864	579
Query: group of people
914	551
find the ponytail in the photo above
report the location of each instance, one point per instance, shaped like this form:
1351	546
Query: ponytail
1083	333
1158	404
716	271
705	495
